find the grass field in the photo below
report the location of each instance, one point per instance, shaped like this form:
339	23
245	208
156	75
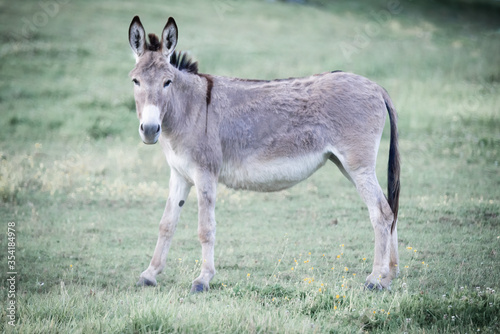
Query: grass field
85	196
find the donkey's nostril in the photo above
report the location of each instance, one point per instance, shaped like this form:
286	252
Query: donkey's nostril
142	127
158	129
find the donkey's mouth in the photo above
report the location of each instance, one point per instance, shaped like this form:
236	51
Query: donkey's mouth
150	141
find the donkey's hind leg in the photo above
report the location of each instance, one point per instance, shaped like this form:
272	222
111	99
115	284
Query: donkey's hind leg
381	216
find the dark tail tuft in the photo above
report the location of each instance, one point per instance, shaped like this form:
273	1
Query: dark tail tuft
393	169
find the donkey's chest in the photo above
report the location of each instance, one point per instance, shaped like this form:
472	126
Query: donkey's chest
179	160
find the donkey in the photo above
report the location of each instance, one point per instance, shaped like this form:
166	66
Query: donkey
261	135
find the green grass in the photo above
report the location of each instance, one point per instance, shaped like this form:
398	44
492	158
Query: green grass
86	195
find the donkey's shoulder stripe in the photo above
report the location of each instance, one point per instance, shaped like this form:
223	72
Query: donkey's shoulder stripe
208	96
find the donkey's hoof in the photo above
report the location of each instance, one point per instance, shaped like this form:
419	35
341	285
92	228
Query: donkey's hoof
198	287
145	282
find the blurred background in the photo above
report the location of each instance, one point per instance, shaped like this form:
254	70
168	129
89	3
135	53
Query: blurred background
83	189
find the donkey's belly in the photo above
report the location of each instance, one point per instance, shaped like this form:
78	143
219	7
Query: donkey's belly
270	175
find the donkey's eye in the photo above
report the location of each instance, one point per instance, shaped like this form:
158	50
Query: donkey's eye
167	83
136	82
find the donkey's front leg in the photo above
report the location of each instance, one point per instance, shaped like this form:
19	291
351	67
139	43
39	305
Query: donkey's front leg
206	188
178	192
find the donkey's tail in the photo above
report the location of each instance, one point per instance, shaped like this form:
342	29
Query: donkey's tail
393	168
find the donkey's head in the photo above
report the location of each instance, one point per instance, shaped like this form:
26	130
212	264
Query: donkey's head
152	76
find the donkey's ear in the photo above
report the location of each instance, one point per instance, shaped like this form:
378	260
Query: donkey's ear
169	38
137	37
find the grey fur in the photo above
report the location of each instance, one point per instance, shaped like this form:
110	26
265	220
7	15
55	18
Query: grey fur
262	136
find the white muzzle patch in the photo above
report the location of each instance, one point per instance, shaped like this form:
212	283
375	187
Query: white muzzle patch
150	127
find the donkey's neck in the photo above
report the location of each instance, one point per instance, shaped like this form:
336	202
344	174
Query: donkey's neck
188	105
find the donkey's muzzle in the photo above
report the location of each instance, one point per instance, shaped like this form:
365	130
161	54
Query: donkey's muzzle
150	133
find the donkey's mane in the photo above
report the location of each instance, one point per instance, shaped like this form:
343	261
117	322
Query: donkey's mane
183	62
178	59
